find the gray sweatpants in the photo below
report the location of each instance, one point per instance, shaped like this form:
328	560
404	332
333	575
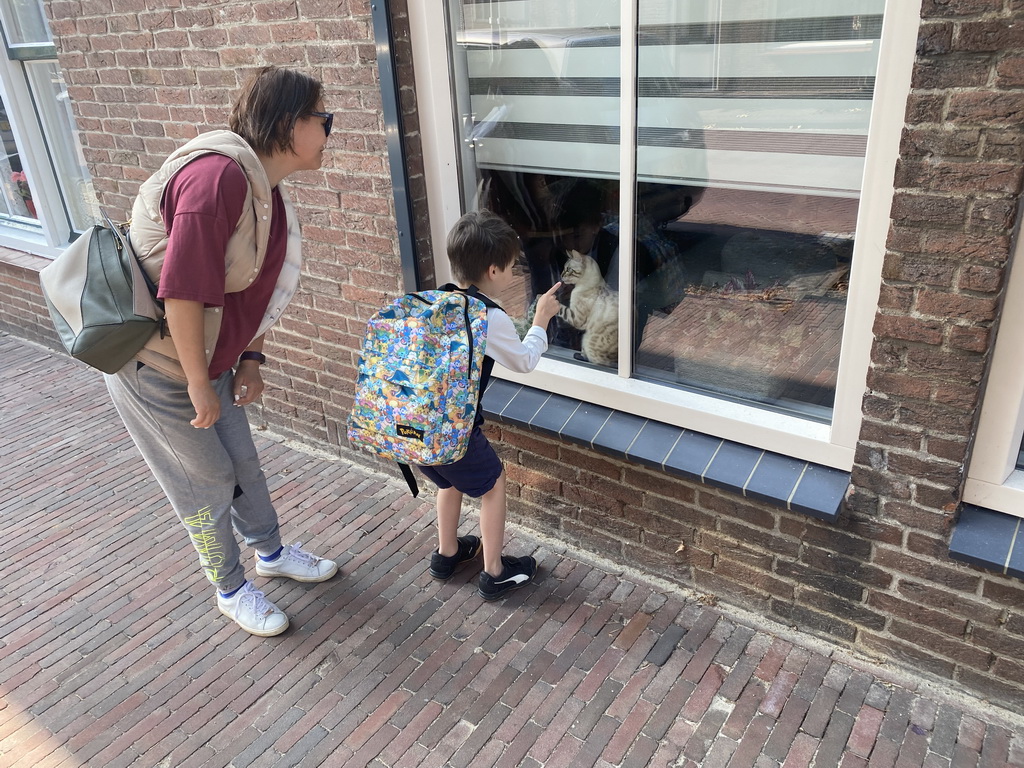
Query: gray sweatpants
212	477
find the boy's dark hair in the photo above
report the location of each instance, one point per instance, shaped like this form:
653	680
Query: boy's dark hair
478	241
269	104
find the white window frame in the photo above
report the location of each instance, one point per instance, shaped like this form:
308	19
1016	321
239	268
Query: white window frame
993	479
51	234
831	444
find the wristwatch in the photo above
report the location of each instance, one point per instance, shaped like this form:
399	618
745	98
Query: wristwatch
259	357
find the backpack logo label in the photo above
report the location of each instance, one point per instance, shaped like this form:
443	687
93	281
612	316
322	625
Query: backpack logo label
404	430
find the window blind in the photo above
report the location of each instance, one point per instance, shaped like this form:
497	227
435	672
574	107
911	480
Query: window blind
750	94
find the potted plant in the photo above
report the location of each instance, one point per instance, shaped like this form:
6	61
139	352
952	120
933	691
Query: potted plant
21	183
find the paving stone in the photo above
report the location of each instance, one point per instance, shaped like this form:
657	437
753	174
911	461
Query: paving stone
741	714
665	646
865	731
877	695
130	664
996	747
944	734
697	746
856	688
668	710
595	709
781	739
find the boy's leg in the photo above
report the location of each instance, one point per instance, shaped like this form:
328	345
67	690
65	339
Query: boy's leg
492	525
462	548
449	509
501	573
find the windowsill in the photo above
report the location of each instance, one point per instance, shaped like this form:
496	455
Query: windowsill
22	259
18	237
989	539
793	484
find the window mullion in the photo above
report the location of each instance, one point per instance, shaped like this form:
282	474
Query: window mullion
627	179
872	228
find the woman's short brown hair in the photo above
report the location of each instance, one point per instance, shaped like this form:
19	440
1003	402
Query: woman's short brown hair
269	104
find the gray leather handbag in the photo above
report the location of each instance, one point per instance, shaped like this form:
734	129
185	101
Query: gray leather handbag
101	302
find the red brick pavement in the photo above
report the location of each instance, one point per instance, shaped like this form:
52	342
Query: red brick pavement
113	654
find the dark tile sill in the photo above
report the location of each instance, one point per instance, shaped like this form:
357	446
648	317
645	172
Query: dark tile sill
989	539
792	484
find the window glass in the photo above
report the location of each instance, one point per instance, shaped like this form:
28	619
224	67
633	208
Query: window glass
17	196
54	105
537	91
47	190
752	125
751	120
24	21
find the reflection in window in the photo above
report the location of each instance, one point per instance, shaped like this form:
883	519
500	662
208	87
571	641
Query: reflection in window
45	180
17	197
777	104
24	21
54	106
751	126
538	97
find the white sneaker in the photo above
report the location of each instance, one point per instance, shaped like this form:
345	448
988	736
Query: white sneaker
294	563
251	610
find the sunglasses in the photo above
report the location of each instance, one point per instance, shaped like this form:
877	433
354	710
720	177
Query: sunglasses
329	120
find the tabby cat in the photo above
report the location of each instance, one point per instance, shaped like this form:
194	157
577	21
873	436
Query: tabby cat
593	308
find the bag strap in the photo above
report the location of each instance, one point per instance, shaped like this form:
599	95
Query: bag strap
410	478
474	292
123	234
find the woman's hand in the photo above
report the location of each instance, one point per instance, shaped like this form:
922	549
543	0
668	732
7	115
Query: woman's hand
207	404
248	384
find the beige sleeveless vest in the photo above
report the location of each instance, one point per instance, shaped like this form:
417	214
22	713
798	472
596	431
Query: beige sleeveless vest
246	248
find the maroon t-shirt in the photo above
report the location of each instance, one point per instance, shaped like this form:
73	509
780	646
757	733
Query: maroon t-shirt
201	207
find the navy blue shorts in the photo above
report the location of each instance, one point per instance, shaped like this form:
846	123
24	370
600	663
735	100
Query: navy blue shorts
475	473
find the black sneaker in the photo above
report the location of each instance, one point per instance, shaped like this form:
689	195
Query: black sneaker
516	572
444	568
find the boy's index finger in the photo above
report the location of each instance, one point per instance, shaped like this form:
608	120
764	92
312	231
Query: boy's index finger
553	288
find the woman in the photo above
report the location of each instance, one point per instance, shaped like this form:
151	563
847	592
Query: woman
217	233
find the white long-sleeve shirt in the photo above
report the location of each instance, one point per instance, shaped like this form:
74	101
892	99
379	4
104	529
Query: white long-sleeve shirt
505	347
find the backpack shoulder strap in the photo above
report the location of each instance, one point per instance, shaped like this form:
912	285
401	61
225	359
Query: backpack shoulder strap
474	292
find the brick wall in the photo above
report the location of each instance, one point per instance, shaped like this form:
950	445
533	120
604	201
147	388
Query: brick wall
22	308
957	187
144	79
880	580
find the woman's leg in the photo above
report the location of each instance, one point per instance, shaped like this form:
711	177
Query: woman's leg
252	511
191	465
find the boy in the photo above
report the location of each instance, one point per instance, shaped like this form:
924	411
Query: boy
482	249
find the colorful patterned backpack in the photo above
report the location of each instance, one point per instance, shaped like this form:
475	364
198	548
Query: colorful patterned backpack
419	378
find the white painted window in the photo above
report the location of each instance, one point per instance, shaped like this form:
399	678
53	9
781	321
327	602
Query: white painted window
726	166
995	477
47	194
